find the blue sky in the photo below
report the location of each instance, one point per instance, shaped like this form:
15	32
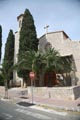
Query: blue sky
58	14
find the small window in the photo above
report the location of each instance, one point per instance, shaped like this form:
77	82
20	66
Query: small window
20	23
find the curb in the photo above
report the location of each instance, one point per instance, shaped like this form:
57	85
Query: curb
60	108
47	106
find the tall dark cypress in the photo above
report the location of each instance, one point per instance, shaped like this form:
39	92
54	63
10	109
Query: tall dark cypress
0	40
28	37
9	55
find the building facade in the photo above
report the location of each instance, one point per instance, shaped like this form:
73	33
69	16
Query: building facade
58	40
61	42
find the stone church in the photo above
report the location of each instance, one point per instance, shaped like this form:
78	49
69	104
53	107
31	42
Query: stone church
66	47
61	42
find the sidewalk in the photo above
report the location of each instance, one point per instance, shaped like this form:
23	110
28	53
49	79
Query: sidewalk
45	102
57	104
17	95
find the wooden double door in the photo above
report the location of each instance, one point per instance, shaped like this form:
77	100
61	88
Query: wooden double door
50	79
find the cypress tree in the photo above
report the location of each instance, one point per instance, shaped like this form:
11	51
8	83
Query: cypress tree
0	40
9	55
28	39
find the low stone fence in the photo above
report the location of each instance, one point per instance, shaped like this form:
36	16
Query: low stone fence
65	93
76	91
14	92
2	91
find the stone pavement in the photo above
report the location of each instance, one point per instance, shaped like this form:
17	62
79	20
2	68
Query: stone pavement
21	95
58	104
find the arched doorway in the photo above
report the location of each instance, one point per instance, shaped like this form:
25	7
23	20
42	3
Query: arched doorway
50	79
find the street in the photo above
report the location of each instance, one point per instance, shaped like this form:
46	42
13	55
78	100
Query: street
10	111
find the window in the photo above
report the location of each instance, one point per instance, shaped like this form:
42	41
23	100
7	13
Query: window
47	46
20	23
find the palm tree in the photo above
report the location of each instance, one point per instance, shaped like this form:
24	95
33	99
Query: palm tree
41	63
56	63
67	67
30	61
53	59
5	72
5	77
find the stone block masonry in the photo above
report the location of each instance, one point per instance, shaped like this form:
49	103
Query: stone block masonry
60	93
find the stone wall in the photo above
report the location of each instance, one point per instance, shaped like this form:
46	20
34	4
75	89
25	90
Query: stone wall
76	92
65	93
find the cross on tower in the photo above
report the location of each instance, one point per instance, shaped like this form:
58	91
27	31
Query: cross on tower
46	28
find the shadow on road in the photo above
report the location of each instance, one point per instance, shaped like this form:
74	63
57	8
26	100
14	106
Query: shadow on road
26	104
24	97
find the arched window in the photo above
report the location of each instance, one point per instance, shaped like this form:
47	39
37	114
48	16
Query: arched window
48	45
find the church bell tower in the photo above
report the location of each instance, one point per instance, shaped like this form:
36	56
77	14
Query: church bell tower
16	79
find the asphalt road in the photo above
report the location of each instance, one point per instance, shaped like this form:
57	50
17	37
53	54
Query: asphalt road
9	111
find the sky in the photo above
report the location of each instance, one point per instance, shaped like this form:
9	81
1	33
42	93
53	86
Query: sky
58	14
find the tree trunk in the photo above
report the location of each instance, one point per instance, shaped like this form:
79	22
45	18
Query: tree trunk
24	83
41	80
6	90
